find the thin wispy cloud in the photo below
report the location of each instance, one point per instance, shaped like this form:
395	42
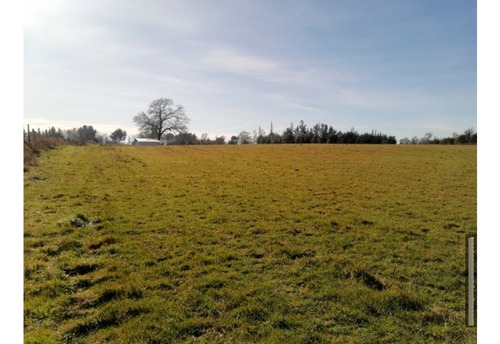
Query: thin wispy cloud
232	61
283	71
174	17
291	102
435	126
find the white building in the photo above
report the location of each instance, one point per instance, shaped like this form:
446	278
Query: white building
146	142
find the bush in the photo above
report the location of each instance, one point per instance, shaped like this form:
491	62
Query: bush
34	147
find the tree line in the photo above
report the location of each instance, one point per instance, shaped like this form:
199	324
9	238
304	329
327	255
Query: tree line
319	133
85	134
167	122
468	137
323	133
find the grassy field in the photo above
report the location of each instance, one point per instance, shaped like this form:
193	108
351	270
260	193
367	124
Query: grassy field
244	244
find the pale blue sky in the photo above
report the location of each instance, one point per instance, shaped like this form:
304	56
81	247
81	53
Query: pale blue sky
401	67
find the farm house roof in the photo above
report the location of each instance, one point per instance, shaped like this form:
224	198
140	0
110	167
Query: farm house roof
147	140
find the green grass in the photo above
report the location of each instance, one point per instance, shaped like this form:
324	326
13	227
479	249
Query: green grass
244	244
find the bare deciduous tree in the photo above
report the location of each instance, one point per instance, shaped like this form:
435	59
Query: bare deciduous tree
245	137
162	116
